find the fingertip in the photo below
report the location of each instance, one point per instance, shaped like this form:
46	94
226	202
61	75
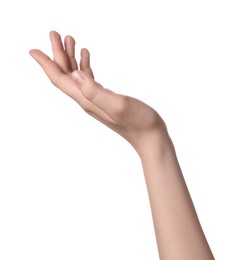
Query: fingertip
50	34
69	38
53	33
32	52
85	51
39	56
85	59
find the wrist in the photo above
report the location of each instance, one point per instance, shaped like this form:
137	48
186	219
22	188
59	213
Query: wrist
155	146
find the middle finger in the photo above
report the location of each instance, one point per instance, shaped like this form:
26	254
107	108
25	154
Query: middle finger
60	56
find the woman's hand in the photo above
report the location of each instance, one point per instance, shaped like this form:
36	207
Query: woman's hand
137	122
178	230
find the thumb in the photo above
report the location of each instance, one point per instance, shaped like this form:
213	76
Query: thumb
108	101
87	85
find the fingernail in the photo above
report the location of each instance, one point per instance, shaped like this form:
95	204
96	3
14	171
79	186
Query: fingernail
78	77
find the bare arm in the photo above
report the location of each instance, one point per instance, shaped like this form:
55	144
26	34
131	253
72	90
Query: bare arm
178	231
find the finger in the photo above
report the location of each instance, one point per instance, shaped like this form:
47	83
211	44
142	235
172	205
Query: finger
56	75
66	84
60	56
69	44
57	44
111	103
85	62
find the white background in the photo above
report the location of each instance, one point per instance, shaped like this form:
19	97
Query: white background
69	187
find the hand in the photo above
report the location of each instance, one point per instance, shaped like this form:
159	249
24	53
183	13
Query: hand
129	117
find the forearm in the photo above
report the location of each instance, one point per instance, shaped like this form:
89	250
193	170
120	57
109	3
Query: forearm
178	231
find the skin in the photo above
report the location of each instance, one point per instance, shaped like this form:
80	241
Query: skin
177	228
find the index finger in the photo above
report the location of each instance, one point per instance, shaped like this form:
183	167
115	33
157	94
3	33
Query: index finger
56	75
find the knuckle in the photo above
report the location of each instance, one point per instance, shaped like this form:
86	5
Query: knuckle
122	105
90	91
57	80
87	110
54	81
86	107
